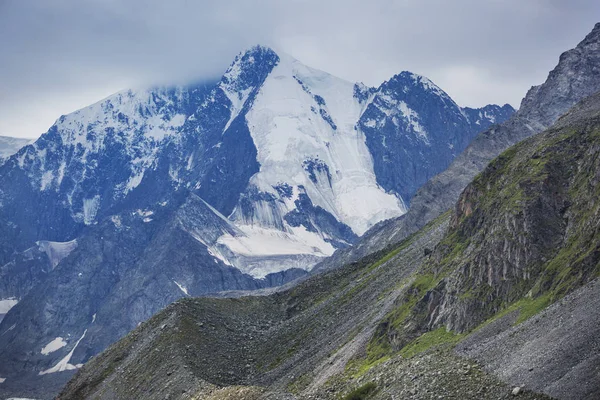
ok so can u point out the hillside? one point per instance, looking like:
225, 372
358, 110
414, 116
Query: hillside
523, 236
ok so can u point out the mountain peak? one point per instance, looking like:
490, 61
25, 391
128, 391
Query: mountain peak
256, 55
543, 104
595, 31
410, 79
249, 67
259, 48
590, 42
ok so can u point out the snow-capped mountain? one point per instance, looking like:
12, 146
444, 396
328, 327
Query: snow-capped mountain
242, 183
414, 130
300, 161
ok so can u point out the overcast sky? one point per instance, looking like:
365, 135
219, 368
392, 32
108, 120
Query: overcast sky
60, 55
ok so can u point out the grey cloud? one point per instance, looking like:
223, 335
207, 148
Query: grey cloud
59, 55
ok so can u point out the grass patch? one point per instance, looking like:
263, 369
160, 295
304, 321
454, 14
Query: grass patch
299, 384
527, 308
378, 351
358, 367
361, 393
428, 340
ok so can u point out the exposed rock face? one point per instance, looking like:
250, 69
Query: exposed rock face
528, 224
576, 76
389, 124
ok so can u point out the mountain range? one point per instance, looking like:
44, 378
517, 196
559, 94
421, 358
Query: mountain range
243, 183
397, 243
574, 78
497, 297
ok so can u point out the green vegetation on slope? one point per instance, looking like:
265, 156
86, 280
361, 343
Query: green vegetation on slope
524, 234
362, 393
428, 340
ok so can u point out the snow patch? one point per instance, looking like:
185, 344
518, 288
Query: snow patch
7, 304
286, 132
61, 174
133, 182
182, 288
143, 213
90, 208
64, 364
264, 242
46, 180
56, 251
370, 123
158, 128
273, 250
56, 344
21, 159
116, 220
413, 120
490, 117
19, 398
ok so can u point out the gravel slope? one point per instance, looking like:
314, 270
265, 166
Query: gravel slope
556, 352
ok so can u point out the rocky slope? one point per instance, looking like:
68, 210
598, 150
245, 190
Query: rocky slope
523, 235
525, 354
116, 265
152, 195
576, 76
